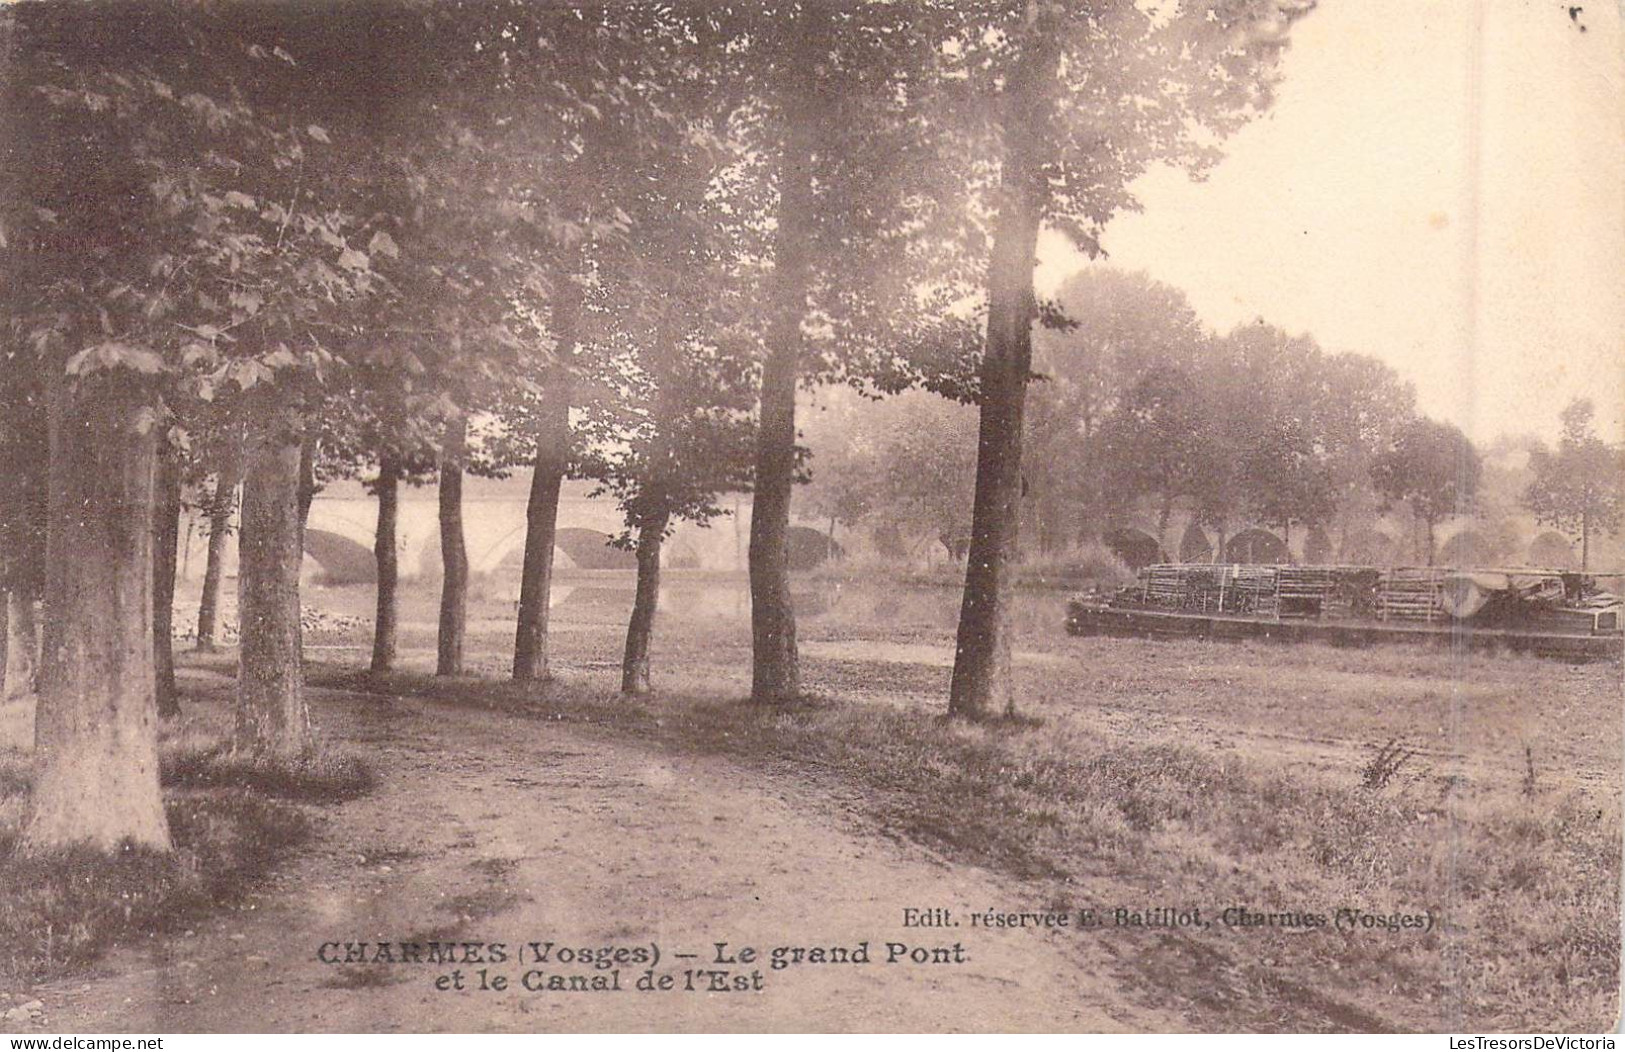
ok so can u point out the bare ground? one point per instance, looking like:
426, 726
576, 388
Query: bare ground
495, 828
498, 825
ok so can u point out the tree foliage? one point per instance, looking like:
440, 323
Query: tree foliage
1431, 468
903, 467
1580, 487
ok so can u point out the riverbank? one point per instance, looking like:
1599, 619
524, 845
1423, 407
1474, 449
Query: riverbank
1398, 808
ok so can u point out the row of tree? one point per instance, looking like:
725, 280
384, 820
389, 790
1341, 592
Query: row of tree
1578, 486
1138, 406
266, 244
1139, 412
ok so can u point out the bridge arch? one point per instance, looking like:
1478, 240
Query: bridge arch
339, 559
590, 549
1136, 548
1468, 547
1254, 545
574, 548
496, 554
347, 518
1195, 547
1367, 547
1554, 551
810, 548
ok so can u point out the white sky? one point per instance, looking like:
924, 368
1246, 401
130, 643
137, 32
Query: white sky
1348, 211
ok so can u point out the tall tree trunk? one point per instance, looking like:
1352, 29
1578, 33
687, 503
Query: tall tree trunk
23, 649
453, 552
309, 450
271, 713
386, 554
640, 628
19, 678
739, 506
541, 534
1585, 540
542, 510
96, 726
166, 533
982, 680
222, 506
5, 644
1053, 516
775, 668
1163, 515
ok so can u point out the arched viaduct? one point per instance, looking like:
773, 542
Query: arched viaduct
344, 516
343, 522
1389, 540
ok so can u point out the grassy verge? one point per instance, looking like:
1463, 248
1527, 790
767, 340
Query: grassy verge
1077, 569
1103, 823
230, 821
317, 779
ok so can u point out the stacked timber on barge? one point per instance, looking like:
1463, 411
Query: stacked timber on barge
1543, 611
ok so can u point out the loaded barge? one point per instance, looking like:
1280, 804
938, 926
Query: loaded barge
1548, 612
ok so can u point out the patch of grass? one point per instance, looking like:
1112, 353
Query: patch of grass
1165, 822
15, 780
1384, 764
229, 822
1079, 567
495, 868
61, 909
477, 905
362, 977
379, 855
320, 777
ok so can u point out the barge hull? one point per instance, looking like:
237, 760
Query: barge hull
1087, 619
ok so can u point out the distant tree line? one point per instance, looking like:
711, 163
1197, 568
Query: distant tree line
1138, 413
1579, 487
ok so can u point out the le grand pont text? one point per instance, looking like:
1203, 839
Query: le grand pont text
554, 967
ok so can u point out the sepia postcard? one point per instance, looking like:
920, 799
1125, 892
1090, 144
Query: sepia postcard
992, 516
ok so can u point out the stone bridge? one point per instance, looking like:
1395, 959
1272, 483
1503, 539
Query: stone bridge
493, 528
1389, 540
343, 522
343, 518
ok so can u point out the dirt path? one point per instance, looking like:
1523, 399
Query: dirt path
494, 828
